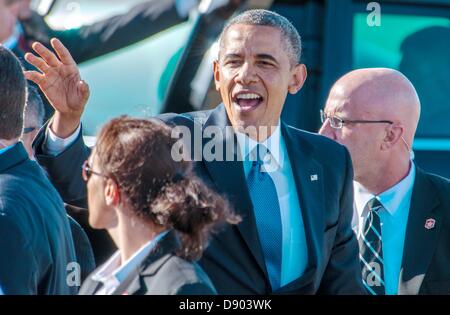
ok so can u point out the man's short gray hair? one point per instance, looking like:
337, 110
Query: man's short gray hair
262, 17
35, 107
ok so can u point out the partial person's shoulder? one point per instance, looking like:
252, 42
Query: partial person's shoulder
318, 142
442, 184
185, 119
183, 269
181, 274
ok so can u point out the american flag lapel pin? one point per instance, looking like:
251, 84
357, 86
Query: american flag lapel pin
314, 177
430, 223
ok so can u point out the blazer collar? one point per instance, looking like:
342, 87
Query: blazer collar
154, 261
420, 241
13, 157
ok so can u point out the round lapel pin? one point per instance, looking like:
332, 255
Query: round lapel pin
429, 223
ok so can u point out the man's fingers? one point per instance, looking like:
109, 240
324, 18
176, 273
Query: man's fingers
34, 76
49, 57
83, 87
63, 53
37, 62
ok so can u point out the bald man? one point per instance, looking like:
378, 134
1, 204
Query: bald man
402, 214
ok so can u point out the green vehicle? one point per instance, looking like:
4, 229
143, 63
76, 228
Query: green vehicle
172, 70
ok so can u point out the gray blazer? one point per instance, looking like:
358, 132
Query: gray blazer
161, 273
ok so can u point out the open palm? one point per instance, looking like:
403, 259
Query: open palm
60, 79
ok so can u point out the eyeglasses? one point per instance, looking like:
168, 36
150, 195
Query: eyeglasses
86, 171
337, 122
29, 130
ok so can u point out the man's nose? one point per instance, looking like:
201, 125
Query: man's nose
327, 131
247, 74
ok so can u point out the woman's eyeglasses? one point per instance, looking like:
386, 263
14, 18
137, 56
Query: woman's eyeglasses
86, 171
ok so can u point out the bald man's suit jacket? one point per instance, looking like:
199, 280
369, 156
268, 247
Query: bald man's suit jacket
234, 260
426, 254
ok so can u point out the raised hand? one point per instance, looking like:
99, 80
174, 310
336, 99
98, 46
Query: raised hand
61, 83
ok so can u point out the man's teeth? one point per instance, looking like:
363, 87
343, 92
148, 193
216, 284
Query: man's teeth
248, 96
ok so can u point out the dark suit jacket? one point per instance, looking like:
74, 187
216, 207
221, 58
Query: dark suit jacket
162, 273
426, 254
35, 239
234, 260
83, 249
105, 36
100, 241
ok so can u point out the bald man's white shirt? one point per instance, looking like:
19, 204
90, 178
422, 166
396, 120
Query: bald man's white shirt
397, 201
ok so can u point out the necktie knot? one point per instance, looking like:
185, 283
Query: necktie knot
260, 153
374, 205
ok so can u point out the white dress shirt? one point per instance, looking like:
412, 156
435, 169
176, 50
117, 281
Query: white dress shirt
114, 272
396, 202
54, 145
278, 166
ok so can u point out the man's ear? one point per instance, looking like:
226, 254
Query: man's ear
393, 135
112, 193
216, 75
299, 74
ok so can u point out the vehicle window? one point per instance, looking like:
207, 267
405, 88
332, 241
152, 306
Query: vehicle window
418, 46
130, 81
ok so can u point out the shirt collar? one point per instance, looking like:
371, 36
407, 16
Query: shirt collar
272, 143
114, 270
391, 198
12, 41
3, 150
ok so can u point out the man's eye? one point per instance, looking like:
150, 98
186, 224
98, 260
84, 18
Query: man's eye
265, 63
232, 62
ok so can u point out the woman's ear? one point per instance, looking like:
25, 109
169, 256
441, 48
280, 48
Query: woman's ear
299, 74
112, 193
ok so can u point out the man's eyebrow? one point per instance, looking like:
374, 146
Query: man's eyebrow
232, 56
267, 57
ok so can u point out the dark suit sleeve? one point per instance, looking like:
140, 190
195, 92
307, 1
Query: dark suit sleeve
100, 38
18, 268
343, 272
64, 170
195, 289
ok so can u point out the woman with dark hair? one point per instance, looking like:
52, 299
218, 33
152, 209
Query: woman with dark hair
158, 213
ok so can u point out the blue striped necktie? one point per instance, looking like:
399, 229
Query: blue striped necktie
267, 214
371, 250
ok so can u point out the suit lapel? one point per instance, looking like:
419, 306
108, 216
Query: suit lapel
420, 242
308, 176
228, 176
